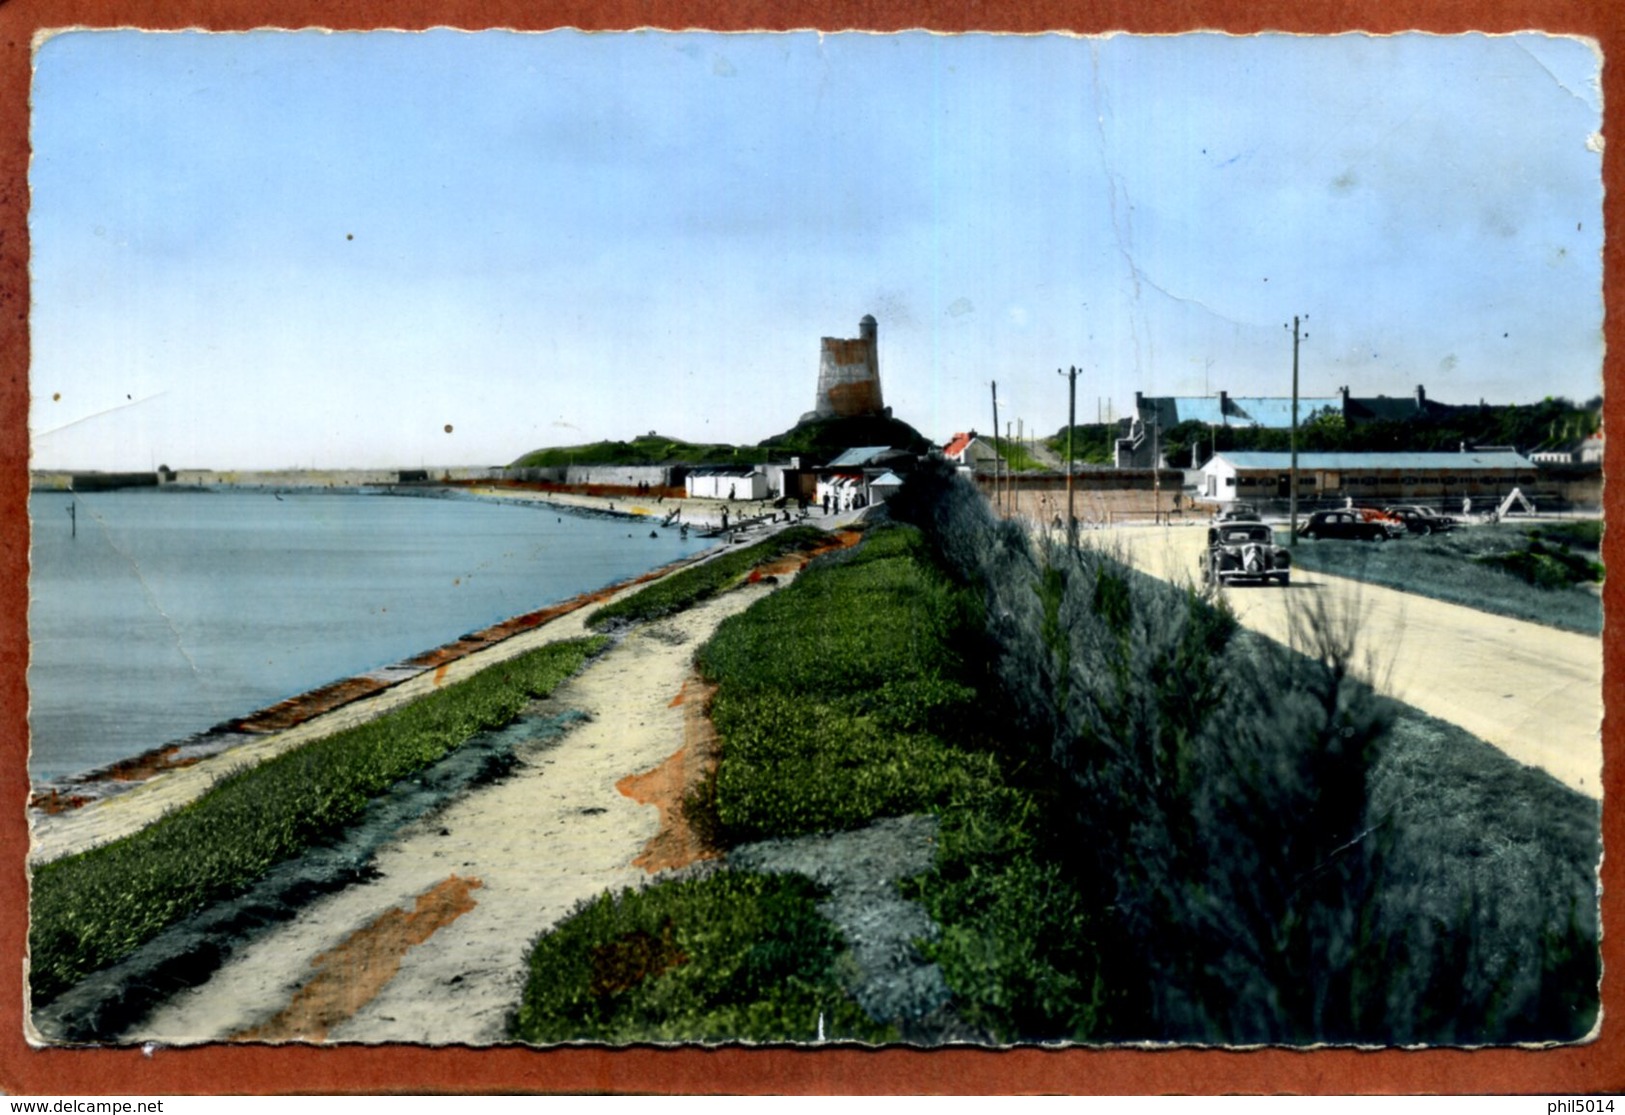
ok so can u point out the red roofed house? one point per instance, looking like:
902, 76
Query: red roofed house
970, 452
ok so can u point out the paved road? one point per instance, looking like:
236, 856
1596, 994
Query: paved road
1533, 691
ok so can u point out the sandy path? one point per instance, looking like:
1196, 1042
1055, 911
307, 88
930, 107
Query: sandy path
523, 852
1535, 692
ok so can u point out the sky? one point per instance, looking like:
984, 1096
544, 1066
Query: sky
380, 249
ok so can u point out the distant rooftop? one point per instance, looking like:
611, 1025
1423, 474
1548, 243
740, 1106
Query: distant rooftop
1233, 410
854, 458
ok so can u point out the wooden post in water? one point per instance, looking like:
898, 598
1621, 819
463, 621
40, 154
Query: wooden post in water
73, 516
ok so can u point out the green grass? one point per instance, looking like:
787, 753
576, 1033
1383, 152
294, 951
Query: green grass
835, 694
91, 909
1461, 568
688, 587
729, 957
857, 693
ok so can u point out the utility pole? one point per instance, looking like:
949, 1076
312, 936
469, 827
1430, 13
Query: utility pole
1009, 473
995, 443
1071, 375
1292, 480
1156, 466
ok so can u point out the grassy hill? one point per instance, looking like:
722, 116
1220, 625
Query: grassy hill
652, 449
817, 440
827, 437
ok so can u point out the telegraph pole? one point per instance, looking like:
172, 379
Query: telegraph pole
1009, 477
995, 443
1156, 465
1071, 375
1292, 481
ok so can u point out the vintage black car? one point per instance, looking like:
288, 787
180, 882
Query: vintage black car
1421, 520
1238, 513
1344, 524
1241, 551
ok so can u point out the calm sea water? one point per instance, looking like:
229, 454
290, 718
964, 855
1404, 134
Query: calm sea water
172, 611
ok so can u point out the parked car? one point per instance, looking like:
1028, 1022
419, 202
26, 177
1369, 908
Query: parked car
1345, 524
1238, 513
1422, 520
1242, 551
1393, 522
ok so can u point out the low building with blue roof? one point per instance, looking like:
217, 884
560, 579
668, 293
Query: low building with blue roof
1443, 479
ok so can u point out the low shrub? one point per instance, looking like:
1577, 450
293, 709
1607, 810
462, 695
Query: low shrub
793, 765
1544, 566
1020, 944
838, 696
729, 957
687, 587
1583, 534
91, 909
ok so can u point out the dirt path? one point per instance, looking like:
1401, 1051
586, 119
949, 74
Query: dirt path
1535, 692
461, 895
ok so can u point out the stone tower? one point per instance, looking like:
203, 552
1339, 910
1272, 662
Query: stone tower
849, 375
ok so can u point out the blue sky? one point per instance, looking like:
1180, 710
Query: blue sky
318, 250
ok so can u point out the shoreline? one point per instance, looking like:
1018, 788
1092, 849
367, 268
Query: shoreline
77, 789
59, 795
73, 814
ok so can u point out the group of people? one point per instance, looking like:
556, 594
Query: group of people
848, 501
